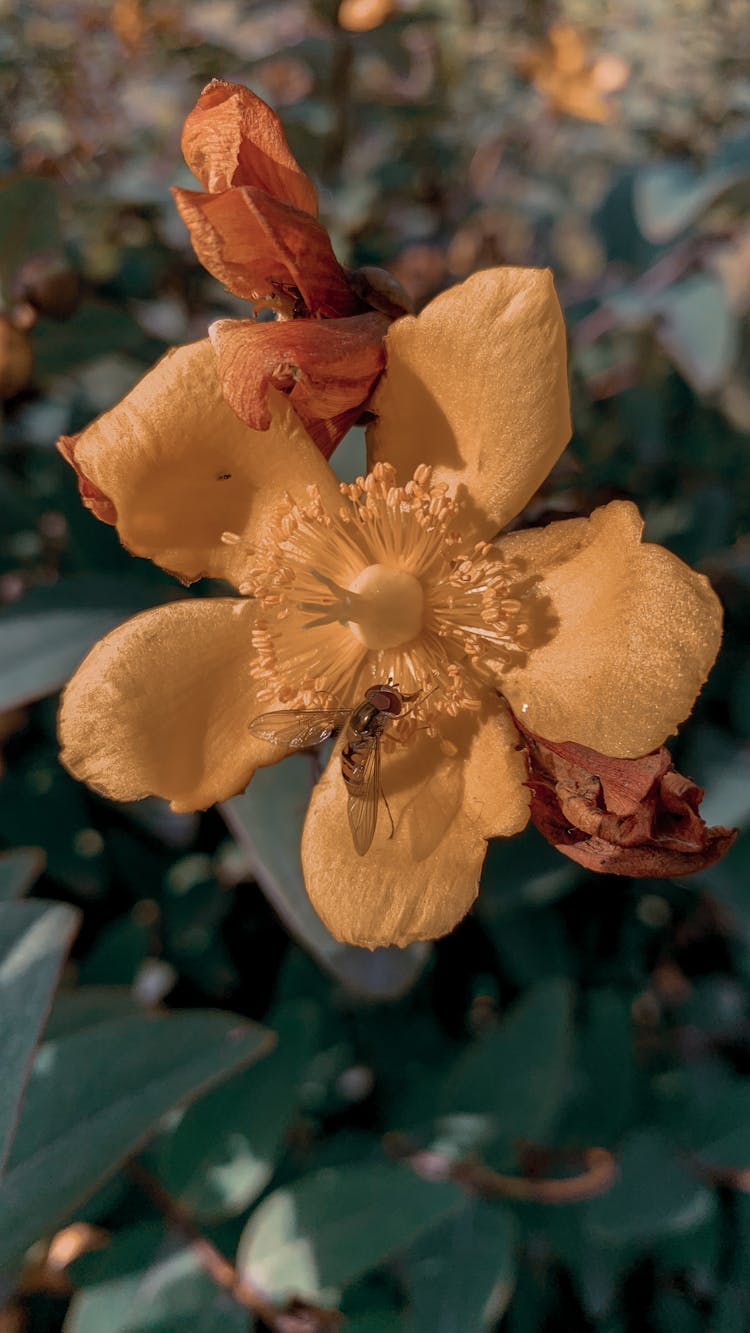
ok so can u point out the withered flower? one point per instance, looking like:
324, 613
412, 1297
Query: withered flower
636, 817
254, 227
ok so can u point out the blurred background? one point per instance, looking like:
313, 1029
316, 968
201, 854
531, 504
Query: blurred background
570, 1012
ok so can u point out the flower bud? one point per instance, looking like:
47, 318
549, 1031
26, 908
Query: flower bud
49, 284
381, 290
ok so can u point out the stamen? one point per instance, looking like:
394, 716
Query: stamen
390, 585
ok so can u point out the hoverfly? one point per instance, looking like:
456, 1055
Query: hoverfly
360, 754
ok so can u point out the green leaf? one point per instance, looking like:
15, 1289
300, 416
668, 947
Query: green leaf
95, 1095
654, 1197
18, 870
715, 1121
91, 332
373, 1306
524, 871
29, 224
729, 1314
317, 1235
224, 1150
47, 633
698, 330
34, 941
675, 1313
509, 1084
533, 945
606, 1075
110, 1279
146, 1282
267, 820
461, 1274
74, 1010
119, 951
669, 196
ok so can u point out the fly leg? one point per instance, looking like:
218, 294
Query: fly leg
388, 811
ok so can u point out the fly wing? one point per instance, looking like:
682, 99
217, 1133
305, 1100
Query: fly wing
364, 794
296, 728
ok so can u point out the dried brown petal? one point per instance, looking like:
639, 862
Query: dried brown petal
636, 817
231, 137
327, 368
266, 251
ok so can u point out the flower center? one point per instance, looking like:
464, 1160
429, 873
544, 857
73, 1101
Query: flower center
392, 586
388, 607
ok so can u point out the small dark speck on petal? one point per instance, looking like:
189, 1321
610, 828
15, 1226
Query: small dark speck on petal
223, 476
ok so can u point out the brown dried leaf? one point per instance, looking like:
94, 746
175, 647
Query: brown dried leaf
636, 817
232, 138
328, 369
266, 251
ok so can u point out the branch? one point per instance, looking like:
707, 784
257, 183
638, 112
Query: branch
296, 1317
599, 1172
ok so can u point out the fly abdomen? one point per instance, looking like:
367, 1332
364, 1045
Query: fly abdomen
353, 757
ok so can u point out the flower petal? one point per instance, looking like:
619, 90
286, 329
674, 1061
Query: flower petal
180, 469
420, 882
326, 368
263, 249
637, 632
161, 707
92, 497
231, 137
477, 386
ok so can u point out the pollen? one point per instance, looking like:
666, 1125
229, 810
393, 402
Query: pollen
392, 586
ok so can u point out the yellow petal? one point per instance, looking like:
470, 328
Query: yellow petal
477, 386
636, 637
180, 468
162, 705
417, 884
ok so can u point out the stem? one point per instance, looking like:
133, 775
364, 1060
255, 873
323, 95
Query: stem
599, 1172
297, 1317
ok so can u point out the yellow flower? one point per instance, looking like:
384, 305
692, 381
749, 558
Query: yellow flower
585, 633
572, 82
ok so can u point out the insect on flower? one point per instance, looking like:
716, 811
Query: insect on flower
297, 728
